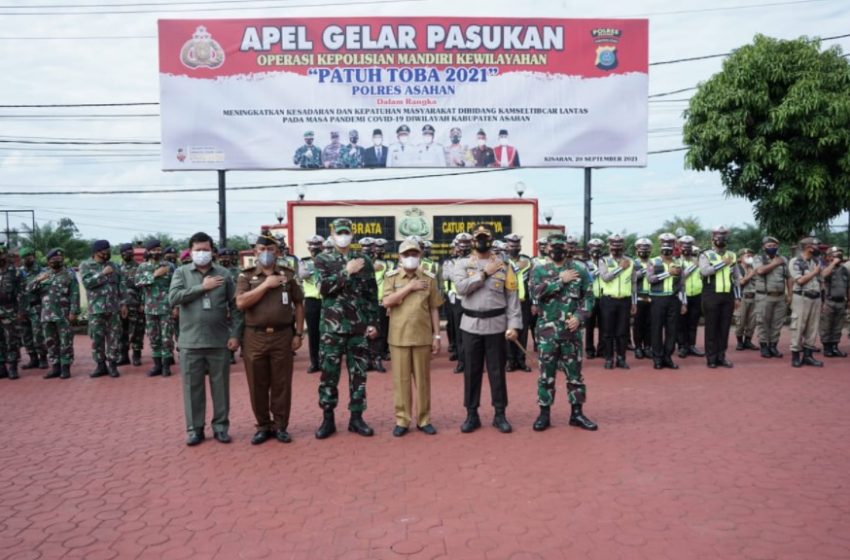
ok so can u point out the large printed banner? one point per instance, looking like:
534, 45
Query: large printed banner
403, 92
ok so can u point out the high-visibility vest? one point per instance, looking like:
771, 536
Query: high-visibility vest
693, 282
520, 276
311, 287
643, 288
619, 287
665, 287
721, 280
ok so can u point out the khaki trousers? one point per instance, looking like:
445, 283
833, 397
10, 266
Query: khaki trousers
770, 317
411, 365
831, 322
805, 319
268, 367
745, 318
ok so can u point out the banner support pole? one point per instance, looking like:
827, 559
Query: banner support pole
587, 199
222, 209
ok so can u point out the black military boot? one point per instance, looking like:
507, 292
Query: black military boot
722, 361
639, 354
137, 357
774, 351
370, 364
590, 353
748, 343
65, 370
328, 425
523, 366
169, 361
459, 367
765, 350
657, 363
53, 373
125, 358
357, 425
609, 363
99, 371
740, 345
694, 351
112, 368
577, 418
4, 373
13, 370
379, 366
156, 369
795, 359
621, 362
809, 360
836, 353
511, 366
42, 361
166, 366
542, 421
500, 422
827, 350
32, 364
472, 422
683, 351
669, 363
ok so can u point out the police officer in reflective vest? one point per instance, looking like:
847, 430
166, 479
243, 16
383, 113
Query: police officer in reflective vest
522, 265
666, 290
689, 322
618, 300
720, 292
464, 247
312, 299
641, 327
594, 253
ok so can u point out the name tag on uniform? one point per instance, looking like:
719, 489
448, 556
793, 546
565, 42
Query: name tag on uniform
284, 298
207, 303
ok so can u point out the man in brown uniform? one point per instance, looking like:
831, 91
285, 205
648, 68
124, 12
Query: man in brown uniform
273, 303
773, 296
413, 298
805, 303
836, 285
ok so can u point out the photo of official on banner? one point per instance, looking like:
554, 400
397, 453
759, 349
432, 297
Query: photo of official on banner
322, 93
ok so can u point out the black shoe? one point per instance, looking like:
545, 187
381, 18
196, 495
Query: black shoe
42, 361
262, 436
827, 350
543, 420
657, 364
577, 418
669, 363
13, 370
740, 345
808, 359
621, 362
32, 364
452, 357
590, 353
609, 364
639, 354
630, 346
399, 431
748, 344
156, 369
125, 358
428, 429
379, 366
99, 371
328, 425
764, 348
222, 437
370, 365
137, 357
836, 353
169, 361
774, 351
472, 422
683, 352
166, 367
313, 369
795, 359
54, 372
459, 368
511, 366
357, 425
724, 362
112, 368
712, 365
386, 357
817, 349
282, 436
501, 423
524, 367
65, 371
694, 351
232, 358
195, 438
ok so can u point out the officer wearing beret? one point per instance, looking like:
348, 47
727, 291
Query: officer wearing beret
11, 311
836, 287
107, 306
376, 154
133, 326
403, 153
308, 156
32, 335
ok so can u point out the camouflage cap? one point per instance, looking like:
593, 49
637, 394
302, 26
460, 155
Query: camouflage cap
341, 224
769, 239
315, 239
557, 238
482, 229
309, 134
409, 245
55, 252
26, 251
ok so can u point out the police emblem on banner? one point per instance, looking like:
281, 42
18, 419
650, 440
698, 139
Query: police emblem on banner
606, 51
202, 51
414, 223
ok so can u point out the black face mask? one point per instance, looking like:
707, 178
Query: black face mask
105, 256
596, 253
315, 251
464, 251
455, 139
483, 245
771, 251
687, 251
155, 256
667, 250
128, 257
514, 252
815, 252
720, 242
55, 265
643, 253
616, 252
558, 253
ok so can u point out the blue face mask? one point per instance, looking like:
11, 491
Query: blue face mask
771, 251
266, 259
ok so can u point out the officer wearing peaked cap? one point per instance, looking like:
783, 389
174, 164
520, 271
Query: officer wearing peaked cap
402, 153
618, 301
312, 299
431, 153
641, 329
594, 253
836, 280
521, 264
721, 291
773, 296
806, 281
689, 322
668, 301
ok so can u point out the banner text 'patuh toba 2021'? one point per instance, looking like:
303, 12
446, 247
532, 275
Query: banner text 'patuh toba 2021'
403, 92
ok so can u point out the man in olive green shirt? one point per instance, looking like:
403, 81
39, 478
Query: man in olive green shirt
206, 295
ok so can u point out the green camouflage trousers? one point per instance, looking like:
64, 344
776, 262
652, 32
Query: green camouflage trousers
565, 355
133, 330
356, 350
161, 335
59, 339
32, 336
10, 336
105, 333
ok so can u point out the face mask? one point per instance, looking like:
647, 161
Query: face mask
643, 253
410, 263
354, 139
771, 251
309, 141
616, 252
687, 251
595, 253
342, 240
514, 252
266, 259
482, 142
483, 245
815, 252
128, 257
201, 258
558, 253
719, 242
428, 138
155, 256
315, 251
455, 139
55, 265
105, 256
503, 141
464, 251
667, 250
403, 139
749, 261
377, 140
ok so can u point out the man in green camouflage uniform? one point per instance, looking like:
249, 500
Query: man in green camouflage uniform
154, 278
32, 336
104, 287
234, 268
11, 313
133, 325
59, 293
352, 155
563, 291
308, 156
349, 317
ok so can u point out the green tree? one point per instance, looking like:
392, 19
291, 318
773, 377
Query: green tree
775, 122
63, 234
166, 239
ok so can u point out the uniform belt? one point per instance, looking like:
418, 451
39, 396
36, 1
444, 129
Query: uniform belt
810, 295
749, 295
616, 297
270, 330
489, 313
838, 299
644, 298
772, 294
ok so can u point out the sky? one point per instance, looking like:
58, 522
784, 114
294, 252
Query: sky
54, 52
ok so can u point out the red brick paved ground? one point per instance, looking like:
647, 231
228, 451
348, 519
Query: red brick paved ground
745, 463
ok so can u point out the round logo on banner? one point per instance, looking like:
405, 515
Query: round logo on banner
202, 51
606, 57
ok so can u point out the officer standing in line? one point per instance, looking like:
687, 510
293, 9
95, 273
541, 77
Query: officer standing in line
522, 267
805, 302
664, 277
618, 301
312, 298
59, 292
308, 156
382, 267
464, 248
235, 314
154, 278
491, 314
104, 287
689, 322
449, 294
133, 326
332, 152
539, 260
562, 288
402, 153
641, 331
33, 337
773, 296
11, 311
721, 293
594, 253
367, 246
745, 324
349, 320
836, 280
428, 263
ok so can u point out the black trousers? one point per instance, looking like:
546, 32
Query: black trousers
313, 314
717, 310
516, 355
614, 315
457, 314
450, 326
384, 329
664, 313
590, 325
688, 323
478, 349
641, 326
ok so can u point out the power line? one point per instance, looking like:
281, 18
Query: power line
134, 5
724, 8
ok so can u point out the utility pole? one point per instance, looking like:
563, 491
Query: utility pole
222, 209
587, 199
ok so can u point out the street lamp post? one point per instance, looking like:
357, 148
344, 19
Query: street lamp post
548, 214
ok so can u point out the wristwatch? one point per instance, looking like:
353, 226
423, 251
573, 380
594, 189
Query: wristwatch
437, 337
299, 334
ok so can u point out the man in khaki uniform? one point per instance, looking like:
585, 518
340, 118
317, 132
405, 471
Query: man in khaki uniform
745, 316
773, 296
412, 296
836, 280
805, 303
273, 303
